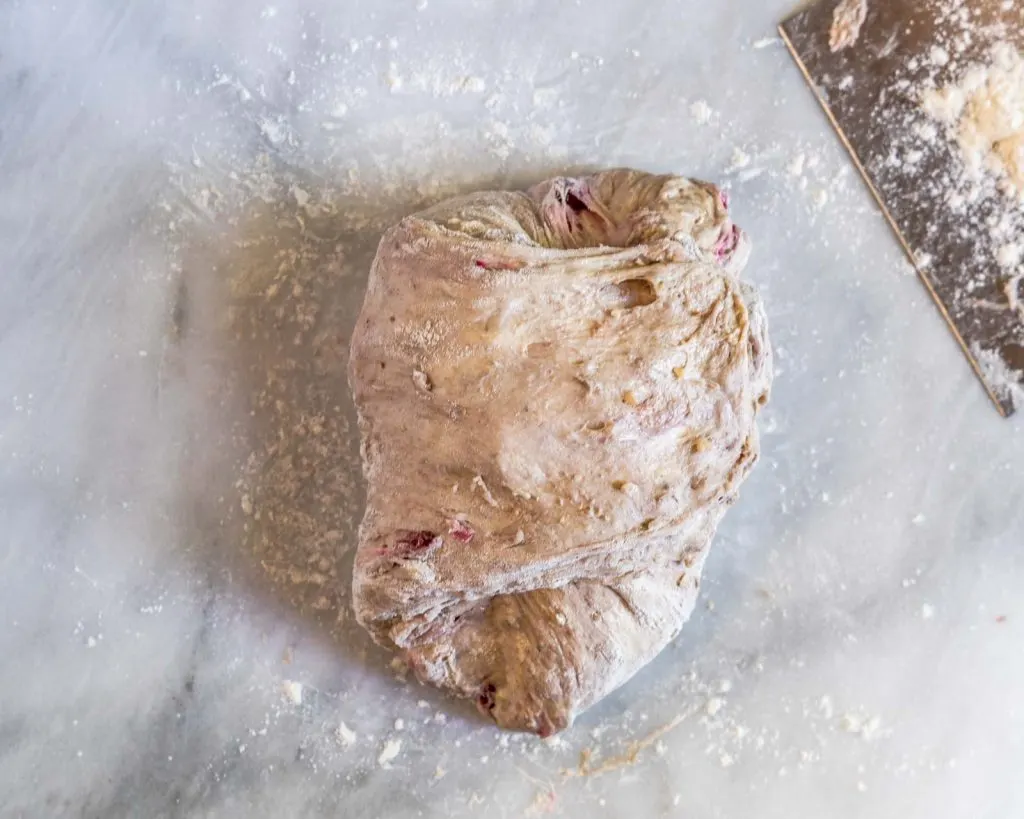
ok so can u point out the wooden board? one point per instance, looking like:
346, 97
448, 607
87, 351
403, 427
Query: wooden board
872, 93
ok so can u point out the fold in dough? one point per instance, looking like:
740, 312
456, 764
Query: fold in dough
557, 394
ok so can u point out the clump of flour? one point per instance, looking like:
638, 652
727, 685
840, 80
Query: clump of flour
984, 113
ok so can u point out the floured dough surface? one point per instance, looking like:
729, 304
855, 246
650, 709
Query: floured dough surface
557, 393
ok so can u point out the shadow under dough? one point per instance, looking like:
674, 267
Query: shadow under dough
270, 488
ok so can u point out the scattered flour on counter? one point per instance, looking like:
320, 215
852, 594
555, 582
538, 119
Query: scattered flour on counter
276, 130
277, 264
748, 174
588, 768
392, 748
292, 691
545, 97
868, 728
473, 85
445, 80
871, 729
393, 78
346, 736
740, 159
701, 112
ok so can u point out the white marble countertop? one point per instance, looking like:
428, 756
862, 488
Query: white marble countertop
191, 194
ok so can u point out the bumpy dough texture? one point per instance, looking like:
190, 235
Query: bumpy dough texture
557, 393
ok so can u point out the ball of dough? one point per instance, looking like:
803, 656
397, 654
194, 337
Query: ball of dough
557, 394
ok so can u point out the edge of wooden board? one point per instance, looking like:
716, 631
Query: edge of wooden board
892, 222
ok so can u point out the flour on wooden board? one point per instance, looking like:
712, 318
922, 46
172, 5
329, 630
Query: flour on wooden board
392, 748
984, 113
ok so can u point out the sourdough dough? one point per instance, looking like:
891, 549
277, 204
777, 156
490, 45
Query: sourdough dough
557, 393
